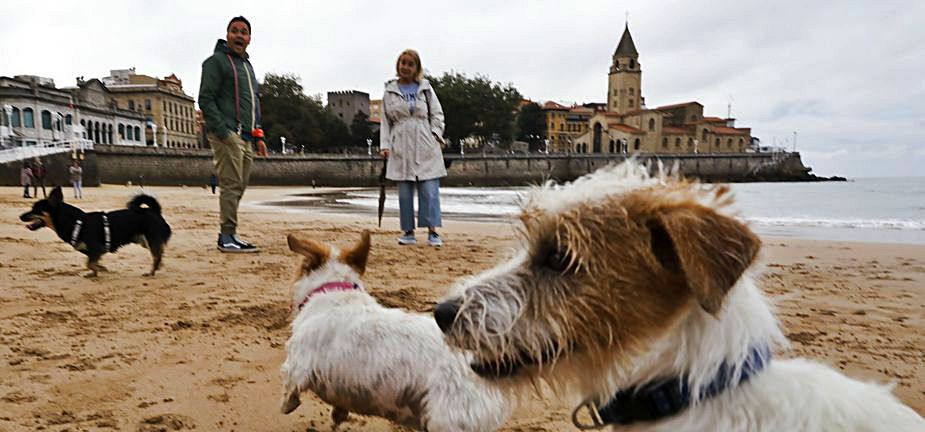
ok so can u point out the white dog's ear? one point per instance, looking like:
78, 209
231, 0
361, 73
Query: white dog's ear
711, 251
315, 253
356, 256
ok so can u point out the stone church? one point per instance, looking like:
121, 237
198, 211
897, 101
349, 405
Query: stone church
626, 124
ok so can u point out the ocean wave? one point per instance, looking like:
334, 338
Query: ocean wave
892, 224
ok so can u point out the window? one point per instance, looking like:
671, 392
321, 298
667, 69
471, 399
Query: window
128, 134
121, 132
28, 118
704, 134
632, 64
68, 119
131, 105
630, 103
729, 143
651, 124
665, 142
631, 91
690, 142
16, 120
148, 104
717, 143
46, 120
677, 142
137, 133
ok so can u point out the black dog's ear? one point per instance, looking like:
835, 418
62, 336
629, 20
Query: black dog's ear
56, 197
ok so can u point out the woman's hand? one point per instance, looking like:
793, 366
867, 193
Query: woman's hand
385, 153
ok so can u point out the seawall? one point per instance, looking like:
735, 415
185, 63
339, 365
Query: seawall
163, 166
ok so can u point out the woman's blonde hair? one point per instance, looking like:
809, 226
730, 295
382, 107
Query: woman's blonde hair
417, 59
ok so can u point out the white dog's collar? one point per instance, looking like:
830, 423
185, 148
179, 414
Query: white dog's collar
329, 287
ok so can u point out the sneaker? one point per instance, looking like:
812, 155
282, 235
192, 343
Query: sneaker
434, 240
407, 238
227, 243
244, 243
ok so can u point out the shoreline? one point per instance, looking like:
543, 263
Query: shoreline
201, 343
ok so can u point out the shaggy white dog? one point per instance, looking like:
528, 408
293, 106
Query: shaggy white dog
361, 357
639, 293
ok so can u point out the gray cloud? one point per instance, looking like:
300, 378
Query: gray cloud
845, 75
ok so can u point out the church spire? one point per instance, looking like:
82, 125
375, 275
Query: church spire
626, 47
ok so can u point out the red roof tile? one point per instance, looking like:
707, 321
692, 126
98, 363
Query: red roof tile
720, 130
624, 128
674, 131
550, 105
679, 105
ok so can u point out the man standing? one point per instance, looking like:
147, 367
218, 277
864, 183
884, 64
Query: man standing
230, 102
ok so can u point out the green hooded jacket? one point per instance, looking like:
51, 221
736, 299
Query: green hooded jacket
217, 92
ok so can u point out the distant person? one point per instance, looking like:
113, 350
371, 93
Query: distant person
213, 182
77, 179
39, 172
230, 102
25, 179
411, 138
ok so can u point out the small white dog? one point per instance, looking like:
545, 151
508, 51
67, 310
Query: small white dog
639, 293
364, 358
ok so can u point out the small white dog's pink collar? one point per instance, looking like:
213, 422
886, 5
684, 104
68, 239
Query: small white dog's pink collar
329, 287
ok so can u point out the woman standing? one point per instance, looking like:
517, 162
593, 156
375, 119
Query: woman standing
25, 179
410, 138
77, 173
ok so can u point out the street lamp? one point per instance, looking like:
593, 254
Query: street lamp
546, 145
154, 133
369, 147
8, 130
282, 145
58, 119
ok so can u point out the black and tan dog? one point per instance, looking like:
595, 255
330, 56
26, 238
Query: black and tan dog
97, 233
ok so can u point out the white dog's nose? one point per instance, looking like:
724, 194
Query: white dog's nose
445, 314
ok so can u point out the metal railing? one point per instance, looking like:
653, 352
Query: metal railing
21, 152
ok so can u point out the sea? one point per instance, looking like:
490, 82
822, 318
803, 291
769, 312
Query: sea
880, 210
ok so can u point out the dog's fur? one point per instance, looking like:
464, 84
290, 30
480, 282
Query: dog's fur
625, 279
141, 222
361, 357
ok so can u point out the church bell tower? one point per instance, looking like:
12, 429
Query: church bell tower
624, 84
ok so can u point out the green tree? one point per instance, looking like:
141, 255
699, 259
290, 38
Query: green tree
360, 130
302, 119
476, 107
531, 125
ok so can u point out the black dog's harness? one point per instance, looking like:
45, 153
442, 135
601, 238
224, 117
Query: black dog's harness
656, 401
107, 237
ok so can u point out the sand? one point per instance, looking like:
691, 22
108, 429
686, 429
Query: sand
200, 345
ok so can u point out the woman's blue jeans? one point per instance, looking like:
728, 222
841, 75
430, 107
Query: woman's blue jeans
428, 203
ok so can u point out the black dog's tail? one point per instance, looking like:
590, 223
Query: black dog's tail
144, 200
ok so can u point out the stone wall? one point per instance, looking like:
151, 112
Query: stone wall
58, 174
163, 166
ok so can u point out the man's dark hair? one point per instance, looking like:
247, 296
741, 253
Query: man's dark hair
241, 19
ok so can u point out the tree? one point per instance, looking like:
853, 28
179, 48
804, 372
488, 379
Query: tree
360, 130
531, 125
477, 108
302, 119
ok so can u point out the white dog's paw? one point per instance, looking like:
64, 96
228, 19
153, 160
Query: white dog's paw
291, 402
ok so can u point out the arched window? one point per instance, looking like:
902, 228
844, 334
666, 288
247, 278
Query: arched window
126, 132
632, 64
68, 119
109, 134
636, 144
665, 142
46, 120
704, 135
28, 118
16, 121
121, 131
677, 142
651, 124
58, 121
97, 136
717, 143
137, 133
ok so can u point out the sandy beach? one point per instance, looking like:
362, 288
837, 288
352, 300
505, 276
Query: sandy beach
199, 346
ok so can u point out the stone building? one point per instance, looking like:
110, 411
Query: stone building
170, 113
626, 124
346, 104
38, 112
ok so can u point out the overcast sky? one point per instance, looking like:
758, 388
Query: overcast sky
848, 76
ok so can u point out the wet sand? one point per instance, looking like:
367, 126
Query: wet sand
200, 345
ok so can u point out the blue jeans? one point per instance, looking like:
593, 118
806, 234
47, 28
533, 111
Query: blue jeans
428, 203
